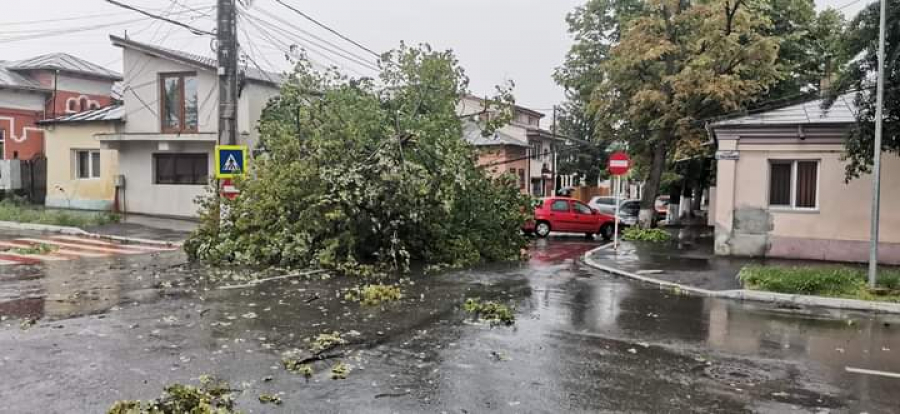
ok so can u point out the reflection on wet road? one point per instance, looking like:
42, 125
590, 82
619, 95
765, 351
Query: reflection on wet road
583, 342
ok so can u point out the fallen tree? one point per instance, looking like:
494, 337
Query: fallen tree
366, 176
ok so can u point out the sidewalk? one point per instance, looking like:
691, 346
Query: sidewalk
145, 227
688, 260
687, 265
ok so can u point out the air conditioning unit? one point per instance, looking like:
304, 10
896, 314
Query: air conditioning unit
10, 175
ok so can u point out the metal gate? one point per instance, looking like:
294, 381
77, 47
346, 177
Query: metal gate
34, 179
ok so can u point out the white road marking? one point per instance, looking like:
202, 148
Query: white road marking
83, 246
873, 372
102, 243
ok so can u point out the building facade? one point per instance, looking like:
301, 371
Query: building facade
80, 174
521, 148
781, 188
46, 87
167, 143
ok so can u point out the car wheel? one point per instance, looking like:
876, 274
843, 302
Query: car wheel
606, 231
542, 229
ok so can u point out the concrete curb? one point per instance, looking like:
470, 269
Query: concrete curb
749, 295
75, 231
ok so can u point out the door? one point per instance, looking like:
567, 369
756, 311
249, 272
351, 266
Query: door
585, 221
561, 216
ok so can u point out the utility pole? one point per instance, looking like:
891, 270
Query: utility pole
226, 37
876, 172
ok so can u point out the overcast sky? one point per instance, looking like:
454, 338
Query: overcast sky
495, 40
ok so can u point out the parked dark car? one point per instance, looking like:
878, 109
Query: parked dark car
567, 215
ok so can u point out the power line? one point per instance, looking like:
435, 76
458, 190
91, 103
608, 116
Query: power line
312, 35
288, 48
190, 28
324, 26
308, 43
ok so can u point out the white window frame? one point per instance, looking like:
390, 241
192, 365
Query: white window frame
793, 197
90, 165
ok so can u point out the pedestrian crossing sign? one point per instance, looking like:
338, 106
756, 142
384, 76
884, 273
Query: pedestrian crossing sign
231, 161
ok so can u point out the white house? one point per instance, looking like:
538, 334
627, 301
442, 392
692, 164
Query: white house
167, 142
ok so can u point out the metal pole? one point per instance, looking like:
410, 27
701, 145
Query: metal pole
227, 71
618, 184
876, 172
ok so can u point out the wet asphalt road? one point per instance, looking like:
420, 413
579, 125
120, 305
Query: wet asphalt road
123, 328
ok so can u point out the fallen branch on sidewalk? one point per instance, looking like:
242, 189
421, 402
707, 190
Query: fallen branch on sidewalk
270, 279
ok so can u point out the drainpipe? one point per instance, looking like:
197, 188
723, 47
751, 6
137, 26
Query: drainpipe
55, 90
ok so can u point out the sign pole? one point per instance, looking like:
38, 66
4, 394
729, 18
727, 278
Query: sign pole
616, 231
876, 171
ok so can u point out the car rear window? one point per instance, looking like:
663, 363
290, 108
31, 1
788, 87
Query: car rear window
632, 207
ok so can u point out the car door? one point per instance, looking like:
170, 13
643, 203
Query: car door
560, 215
585, 221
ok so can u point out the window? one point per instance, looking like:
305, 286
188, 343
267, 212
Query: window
72, 105
535, 150
2, 144
181, 169
582, 209
178, 102
87, 164
794, 184
522, 182
560, 206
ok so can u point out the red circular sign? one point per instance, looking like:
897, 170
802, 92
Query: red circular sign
229, 191
619, 163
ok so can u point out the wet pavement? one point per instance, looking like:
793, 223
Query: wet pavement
145, 227
124, 327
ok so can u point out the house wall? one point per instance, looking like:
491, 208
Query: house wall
142, 86
64, 189
838, 230
22, 138
141, 93
505, 154
145, 197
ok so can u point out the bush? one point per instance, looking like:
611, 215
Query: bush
835, 281
365, 178
646, 235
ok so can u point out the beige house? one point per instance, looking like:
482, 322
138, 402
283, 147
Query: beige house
81, 175
781, 190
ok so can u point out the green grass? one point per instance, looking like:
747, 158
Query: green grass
831, 281
21, 213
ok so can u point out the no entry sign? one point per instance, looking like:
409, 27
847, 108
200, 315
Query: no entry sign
619, 163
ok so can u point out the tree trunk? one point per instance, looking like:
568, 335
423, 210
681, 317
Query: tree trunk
651, 188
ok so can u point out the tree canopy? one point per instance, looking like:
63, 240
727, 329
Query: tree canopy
652, 72
366, 176
858, 79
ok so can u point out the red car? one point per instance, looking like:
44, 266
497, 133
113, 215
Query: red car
569, 215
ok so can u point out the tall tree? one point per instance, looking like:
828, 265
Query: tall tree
677, 63
809, 50
857, 78
595, 28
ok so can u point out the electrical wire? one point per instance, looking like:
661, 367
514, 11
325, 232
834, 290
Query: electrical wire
190, 28
289, 48
310, 44
312, 35
326, 27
